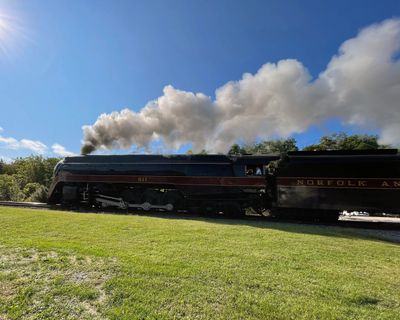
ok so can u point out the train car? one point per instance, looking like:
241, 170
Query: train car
210, 183
321, 184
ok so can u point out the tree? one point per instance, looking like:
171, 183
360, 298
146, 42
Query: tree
236, 149
9, 189
342, 141
266, 147
32, 169
26, 178
39, 195
190, 152
278, 146
30, 188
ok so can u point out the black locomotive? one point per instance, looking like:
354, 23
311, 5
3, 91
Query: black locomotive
315, 185
208, 183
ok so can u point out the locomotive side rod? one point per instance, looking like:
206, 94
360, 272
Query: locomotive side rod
107, 201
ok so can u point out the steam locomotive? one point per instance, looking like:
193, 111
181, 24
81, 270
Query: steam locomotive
303, 185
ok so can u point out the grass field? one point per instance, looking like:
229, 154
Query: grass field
62, 265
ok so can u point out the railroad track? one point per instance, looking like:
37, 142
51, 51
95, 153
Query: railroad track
25, 204
363, 222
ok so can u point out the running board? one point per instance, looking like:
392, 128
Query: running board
107, 201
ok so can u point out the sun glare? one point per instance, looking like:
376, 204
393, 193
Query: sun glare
3, 26
11, 32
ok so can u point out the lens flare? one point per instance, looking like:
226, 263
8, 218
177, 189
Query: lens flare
5, 34
11, 34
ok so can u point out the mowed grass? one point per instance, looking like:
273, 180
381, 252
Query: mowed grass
63, 265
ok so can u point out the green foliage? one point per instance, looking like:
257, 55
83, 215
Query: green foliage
336, 141
266, 147
2, 166
33, 169
30, 188
190, 152
26, 178
5, 167
236, 149
9, 189
277, 146
39, 195
342, 141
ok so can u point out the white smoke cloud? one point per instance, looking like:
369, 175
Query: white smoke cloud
61, 150
361, 86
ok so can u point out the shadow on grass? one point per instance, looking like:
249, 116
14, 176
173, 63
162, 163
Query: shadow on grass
389, 232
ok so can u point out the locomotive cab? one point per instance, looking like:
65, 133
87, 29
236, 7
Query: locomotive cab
253, 165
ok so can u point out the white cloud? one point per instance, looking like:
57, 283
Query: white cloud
35, 146
32, 145
60, 150
360, 86
12, 143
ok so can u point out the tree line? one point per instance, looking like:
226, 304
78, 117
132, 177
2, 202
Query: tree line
335, 141
28, 179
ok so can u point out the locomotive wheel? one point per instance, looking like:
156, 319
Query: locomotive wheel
293, 214
306, 215
208, 208
175, 198
152, 196
328, 216
132, 195
232, 209
261, 211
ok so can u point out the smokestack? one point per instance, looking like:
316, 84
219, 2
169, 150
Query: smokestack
87, 148
361, 86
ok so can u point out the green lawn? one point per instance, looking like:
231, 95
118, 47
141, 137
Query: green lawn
62, 265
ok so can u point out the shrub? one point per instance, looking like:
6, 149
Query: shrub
39, 195
30, 188
9, 189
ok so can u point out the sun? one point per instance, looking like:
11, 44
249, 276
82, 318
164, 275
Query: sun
4, 26
12, 34
6, 32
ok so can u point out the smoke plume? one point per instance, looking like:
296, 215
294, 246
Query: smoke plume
360, 85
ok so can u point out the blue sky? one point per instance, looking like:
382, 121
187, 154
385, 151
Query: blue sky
66, 62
